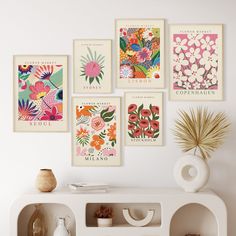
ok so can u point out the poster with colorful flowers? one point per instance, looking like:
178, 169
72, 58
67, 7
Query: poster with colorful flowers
92, 66
40, 93
140, 53
96, 131
196, 71
143, 119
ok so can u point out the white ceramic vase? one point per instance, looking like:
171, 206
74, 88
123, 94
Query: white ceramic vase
191, 173
61, 229
104, 222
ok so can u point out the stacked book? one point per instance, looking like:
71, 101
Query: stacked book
88, 188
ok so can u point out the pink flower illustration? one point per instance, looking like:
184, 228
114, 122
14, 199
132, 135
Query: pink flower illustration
51, 115
133, 117
145, 112
38, 90
97, 123
143, 123
144, 55
131, 127
154, 124
126, 71
107, 152
92, 69
149, 133
132, 108
137, 133
155, 109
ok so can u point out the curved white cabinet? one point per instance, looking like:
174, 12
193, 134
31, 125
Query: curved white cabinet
175, 212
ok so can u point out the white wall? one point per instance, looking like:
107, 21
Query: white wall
48, 27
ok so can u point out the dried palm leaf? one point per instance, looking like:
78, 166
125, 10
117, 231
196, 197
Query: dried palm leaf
200, 130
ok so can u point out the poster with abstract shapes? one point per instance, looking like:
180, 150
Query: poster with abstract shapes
95, 131
140, 53
92, 66
143, 119
40, 93
196, 71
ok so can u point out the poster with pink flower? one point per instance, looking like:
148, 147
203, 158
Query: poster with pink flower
140, 53
92, 66
96, 131
40, 93
196, 71
143, 119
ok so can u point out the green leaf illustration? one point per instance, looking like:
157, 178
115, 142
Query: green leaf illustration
107, 116
156, 135
139, 109
131, 135
140, 68
91, 79
123, 44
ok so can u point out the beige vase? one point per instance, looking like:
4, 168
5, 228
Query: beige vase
46, 181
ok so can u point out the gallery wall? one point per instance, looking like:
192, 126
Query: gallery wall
49, 27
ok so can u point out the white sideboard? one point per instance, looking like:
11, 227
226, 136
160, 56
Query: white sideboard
176, 212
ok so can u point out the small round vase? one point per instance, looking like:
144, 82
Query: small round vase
104, 222
46, 181
191, 173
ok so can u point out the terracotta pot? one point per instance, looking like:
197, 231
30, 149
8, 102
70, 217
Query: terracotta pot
46, 181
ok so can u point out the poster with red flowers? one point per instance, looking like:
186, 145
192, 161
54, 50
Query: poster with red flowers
95, 131
196, 62
92, 66
40, 93
143, 119
140, 53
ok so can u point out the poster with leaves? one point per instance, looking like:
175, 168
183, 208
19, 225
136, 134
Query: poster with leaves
143, 119
40, 93
196, 71
140, 53
96, 131
92, 66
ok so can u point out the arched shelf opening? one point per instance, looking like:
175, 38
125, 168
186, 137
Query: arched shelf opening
51, 211
193, 218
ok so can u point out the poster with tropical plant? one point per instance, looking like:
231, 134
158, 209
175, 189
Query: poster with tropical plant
140, 53
92, 66
96, 131
40, 93
196, 62
143, 118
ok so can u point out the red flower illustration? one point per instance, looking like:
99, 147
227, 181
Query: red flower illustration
149, 133
51, 115
137, 133
131, 127
143, 123
38, 90
133, 117
132, 108
155, 109
145, 112
154, 124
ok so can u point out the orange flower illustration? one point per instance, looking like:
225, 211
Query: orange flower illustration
82, 133
112, 132
97, 142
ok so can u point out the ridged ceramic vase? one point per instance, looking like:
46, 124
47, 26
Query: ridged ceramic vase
46, 181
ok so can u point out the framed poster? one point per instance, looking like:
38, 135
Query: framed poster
196, 62
140, 53
40, 93
143, 119
95, 131
92, 66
